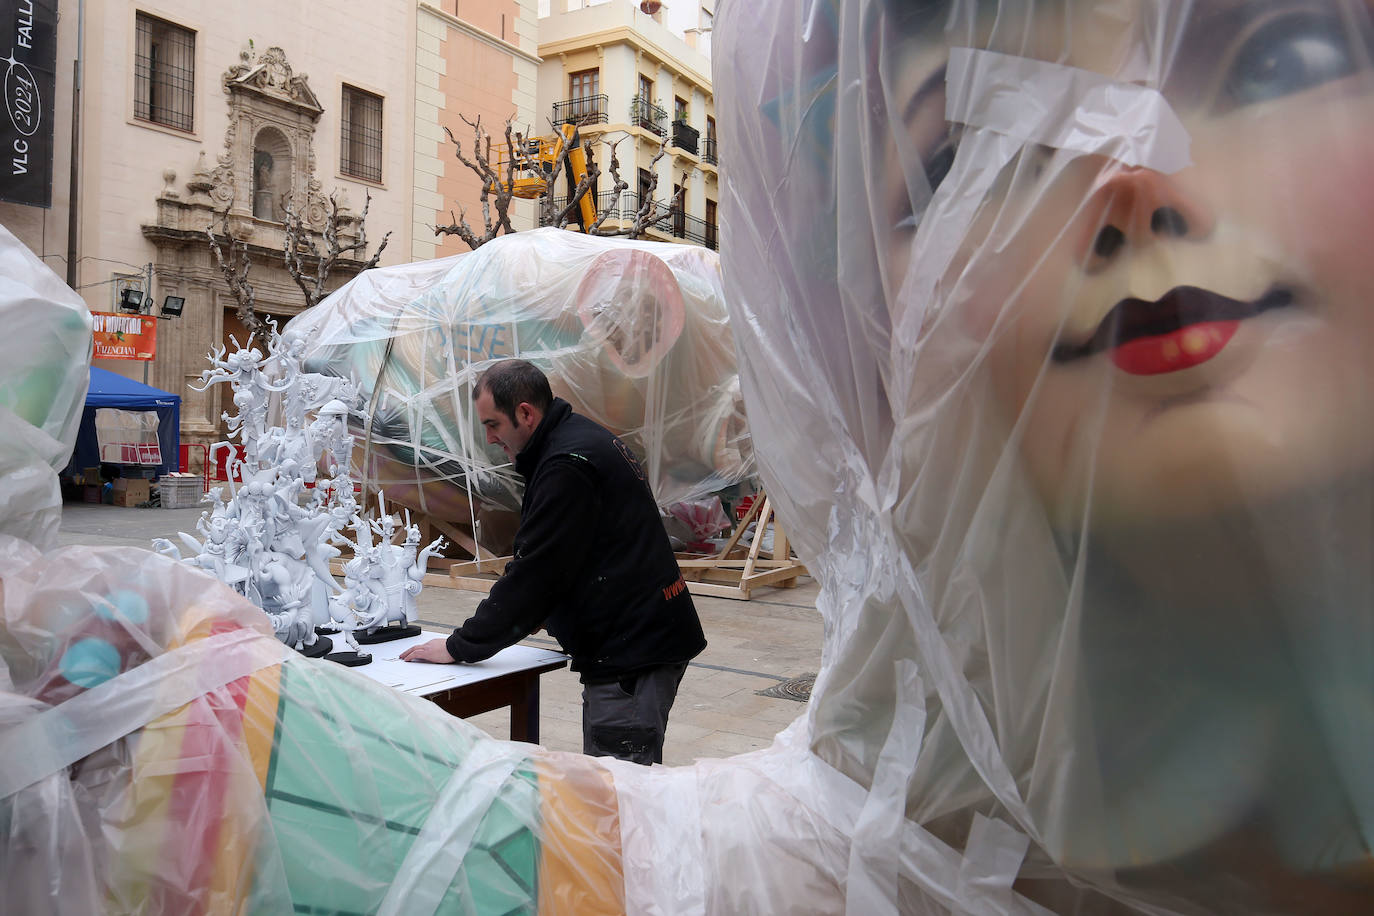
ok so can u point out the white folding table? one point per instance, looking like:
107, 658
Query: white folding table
509, 678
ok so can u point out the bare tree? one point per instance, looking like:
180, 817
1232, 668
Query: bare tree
235, 269
497, 189
651, 213
549, 213
525, 155
299, 246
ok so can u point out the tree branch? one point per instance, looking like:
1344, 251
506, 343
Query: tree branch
496, 192
617, 187
235, 269
650, 213
299, 242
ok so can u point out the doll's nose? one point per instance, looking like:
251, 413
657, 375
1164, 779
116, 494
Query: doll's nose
1131, 206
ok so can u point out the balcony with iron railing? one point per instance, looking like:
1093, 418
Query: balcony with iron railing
623, 207
694, 229
708, 151
590, 109
685, 137
645, 114
620, 207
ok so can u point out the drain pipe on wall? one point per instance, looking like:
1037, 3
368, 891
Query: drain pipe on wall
73, 223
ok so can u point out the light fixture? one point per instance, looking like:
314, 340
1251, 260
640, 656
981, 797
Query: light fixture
131, 300
171, 306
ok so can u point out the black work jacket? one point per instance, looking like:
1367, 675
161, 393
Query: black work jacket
592, 563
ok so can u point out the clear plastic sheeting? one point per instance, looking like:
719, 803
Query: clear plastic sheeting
164, 753
1055, 330
45, 351
633, 334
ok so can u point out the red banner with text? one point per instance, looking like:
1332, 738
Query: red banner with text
124, 336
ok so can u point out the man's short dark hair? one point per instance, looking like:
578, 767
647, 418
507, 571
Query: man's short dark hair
513, 382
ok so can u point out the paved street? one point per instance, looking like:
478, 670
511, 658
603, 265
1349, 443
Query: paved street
753, 645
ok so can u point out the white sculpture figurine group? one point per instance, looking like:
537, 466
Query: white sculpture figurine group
382, 580
272, 540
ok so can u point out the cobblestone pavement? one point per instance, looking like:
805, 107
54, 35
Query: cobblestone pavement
752, 646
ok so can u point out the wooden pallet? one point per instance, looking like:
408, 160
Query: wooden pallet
734, 572
477, 575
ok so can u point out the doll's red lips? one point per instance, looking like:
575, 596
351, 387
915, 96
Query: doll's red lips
1181, 307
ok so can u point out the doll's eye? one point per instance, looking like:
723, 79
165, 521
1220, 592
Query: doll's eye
939, 162
1287, 55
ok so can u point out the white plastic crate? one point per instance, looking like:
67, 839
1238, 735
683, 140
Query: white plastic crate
180, 491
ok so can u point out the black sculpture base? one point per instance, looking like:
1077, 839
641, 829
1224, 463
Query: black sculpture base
322, 647
349, 659
386, 634
326, 631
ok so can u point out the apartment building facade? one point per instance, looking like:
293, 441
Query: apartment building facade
617, 71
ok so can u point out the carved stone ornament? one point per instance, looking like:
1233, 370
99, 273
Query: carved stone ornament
266, 99
271, 75
222, 181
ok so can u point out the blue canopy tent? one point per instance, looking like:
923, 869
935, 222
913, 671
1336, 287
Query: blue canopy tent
109, 389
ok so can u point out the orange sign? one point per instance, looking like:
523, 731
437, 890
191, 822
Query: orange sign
124, 336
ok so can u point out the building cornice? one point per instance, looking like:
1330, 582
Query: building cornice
481, 35
626, 35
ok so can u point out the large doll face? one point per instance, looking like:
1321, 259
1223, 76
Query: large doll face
1174, 344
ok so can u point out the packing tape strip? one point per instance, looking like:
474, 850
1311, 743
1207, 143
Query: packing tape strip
60, 736
1065, 108
437, 854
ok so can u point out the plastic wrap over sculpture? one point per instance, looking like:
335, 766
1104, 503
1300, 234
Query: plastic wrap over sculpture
1083, 447
632, 334
165, 754
46, 351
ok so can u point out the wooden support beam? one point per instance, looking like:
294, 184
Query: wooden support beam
728, 576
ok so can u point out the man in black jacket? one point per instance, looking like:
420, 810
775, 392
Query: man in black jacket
592, 565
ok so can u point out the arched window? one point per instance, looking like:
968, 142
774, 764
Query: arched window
271, 174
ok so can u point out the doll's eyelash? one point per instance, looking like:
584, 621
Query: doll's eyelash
1209, 81
941, 160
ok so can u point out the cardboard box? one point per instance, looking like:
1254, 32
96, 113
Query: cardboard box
131, 491
91, 477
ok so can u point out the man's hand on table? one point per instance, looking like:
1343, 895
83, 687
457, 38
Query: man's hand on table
435, 651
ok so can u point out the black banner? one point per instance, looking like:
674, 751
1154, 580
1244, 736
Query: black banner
28, 57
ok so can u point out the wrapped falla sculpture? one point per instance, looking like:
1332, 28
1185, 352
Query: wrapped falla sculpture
1054, 335
1089, 413
633, 334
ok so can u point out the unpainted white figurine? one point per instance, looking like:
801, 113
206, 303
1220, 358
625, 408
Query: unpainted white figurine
275, 536
382, 580
272, 540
